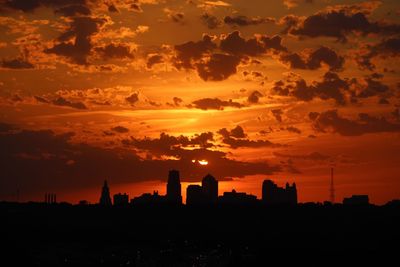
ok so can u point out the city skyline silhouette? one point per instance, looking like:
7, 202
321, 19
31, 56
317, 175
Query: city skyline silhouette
207, 194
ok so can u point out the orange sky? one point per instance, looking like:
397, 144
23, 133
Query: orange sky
125, 90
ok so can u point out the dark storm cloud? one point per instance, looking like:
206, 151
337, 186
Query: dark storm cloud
246, 21
177, 101
236, 132
254, 97
41, 99
115, 51
389, 47
241, 143
383, 101
212, 22
60, 101
218, 67
73, 10
80, 33
132, 99
120, 129
293, 129
170, 145
338, 24
136, 7
277, 113
153, 60
17, 63
31, 5
40, 161
112, 8
236, 138
331, 121
214, 103
189, 52
314, 59
373, 88
331, 87
234, 44
177, 17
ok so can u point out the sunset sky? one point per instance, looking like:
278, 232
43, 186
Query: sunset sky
126, 90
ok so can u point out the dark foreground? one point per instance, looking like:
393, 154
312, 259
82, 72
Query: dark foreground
62, 235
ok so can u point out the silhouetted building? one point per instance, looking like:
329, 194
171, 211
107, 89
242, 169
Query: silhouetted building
83, 203
207, 193
273, 194
174, 188
148, 199
210, 188
194, 195
236, 198
356, 200
393, 203
105, 199
121, 199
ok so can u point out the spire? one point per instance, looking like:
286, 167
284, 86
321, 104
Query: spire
105, 199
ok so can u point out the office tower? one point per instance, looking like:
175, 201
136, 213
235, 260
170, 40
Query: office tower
174, 188
210, 188
194, 195
105, 199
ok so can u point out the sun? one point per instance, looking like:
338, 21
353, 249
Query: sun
202, 162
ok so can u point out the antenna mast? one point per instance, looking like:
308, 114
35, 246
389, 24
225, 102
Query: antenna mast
332, 189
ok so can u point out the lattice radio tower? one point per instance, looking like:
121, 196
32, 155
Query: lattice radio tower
332, 189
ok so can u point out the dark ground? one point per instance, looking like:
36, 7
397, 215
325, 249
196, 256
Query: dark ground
63, 235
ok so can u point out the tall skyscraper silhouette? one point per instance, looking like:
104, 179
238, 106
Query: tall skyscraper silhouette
105, 199
210, 188
194, 195
207, 193
174, 188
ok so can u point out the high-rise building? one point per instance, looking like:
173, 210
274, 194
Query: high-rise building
210, 188
174, 188
194, 195
273, 194
105, 199
291, 193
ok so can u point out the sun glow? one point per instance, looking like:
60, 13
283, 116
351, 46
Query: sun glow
203, 162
